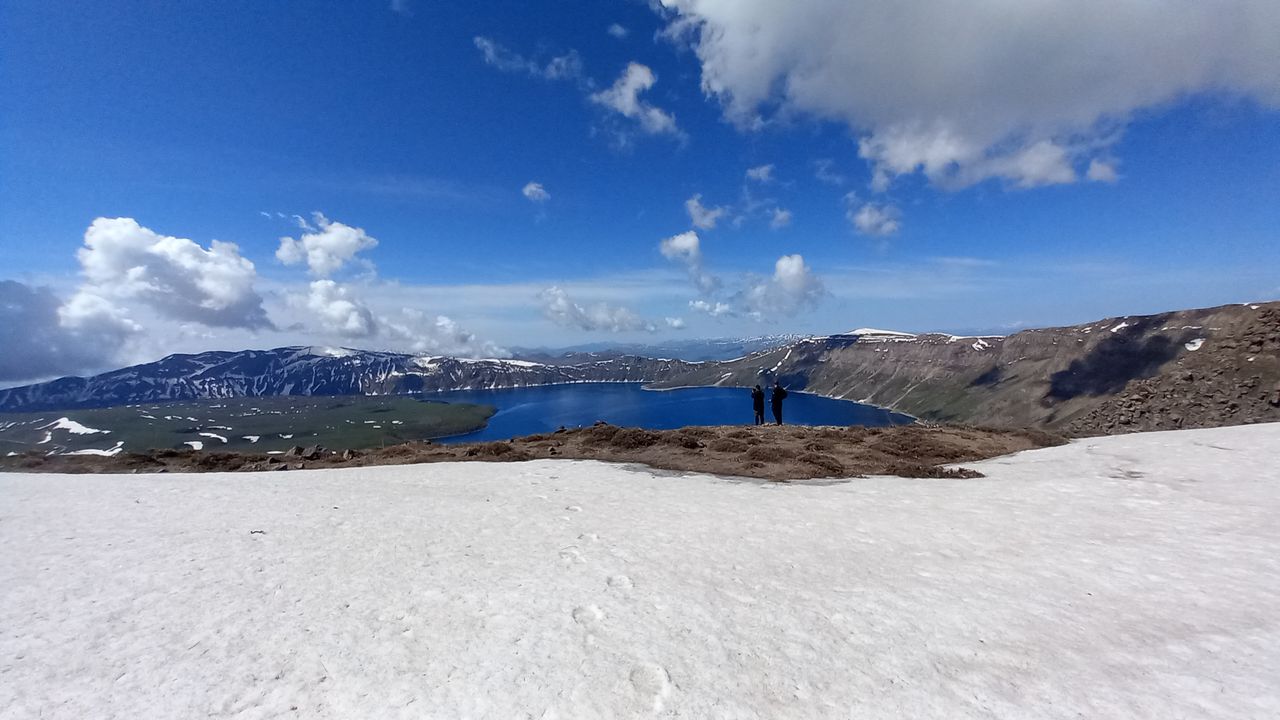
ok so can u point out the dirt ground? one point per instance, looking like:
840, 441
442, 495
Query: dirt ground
767, 452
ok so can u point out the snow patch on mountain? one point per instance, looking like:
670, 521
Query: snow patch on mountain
72, 426
103, 453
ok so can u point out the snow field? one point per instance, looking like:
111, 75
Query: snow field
1133, 576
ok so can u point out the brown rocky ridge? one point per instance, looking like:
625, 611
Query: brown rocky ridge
765, 452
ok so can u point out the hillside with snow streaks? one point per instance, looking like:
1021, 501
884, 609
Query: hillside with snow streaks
1190, 368
316, 371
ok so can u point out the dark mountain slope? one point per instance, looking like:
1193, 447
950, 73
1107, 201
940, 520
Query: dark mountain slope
1192, 368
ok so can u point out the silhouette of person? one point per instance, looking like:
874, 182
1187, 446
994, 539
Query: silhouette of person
778, 396
757, 403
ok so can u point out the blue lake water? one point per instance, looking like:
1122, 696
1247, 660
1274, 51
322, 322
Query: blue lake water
524, 411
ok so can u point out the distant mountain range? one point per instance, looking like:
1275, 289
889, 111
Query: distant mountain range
1191, 368
316, 371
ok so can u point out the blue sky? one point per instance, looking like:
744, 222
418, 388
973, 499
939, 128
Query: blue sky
1087, 169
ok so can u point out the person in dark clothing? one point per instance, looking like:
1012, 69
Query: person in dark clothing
757, 403
778, 396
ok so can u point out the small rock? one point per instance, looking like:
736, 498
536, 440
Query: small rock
295, 451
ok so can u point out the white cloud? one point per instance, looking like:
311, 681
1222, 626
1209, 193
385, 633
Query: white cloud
1102, 171
617, 31
675, 323
714, 309
704, 218
338, 312
417, 332
761, 173
123, 261
326, 249
1025, 92
792, 288
38, 343
686, 249
558, 307
781, 218
872, 218
535, 192
624, 98
562, 67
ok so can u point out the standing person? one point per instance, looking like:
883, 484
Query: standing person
757, 403
778, 396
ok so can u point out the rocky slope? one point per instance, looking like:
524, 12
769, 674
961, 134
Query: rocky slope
315, 371
1191, 368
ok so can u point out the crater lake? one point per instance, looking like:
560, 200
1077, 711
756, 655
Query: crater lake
525, 411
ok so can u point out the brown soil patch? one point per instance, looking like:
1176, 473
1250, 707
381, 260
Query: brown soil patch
767, 452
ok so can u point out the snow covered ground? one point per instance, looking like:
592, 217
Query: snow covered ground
1134, 576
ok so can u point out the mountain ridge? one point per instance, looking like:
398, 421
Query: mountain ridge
1188, 368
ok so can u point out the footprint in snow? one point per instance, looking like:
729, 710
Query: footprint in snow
588, 616
652, 685
620, 582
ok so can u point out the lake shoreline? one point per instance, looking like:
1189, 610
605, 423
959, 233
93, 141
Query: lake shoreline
549, 407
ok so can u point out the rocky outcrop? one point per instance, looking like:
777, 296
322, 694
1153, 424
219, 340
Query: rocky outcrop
1234, 380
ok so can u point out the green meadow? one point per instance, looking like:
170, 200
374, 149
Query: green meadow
261, 424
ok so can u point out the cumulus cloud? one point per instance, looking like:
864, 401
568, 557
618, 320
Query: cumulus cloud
39, 344
703, 217
1102, 171
338, 311
871, 218
714, 309
559, 308
617, 31
535, 192
418, 332
562, 67
761, 173
781, 218
793, 287
122, 260
675, 323
686, 249
327, 248
624, 98
962, 92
